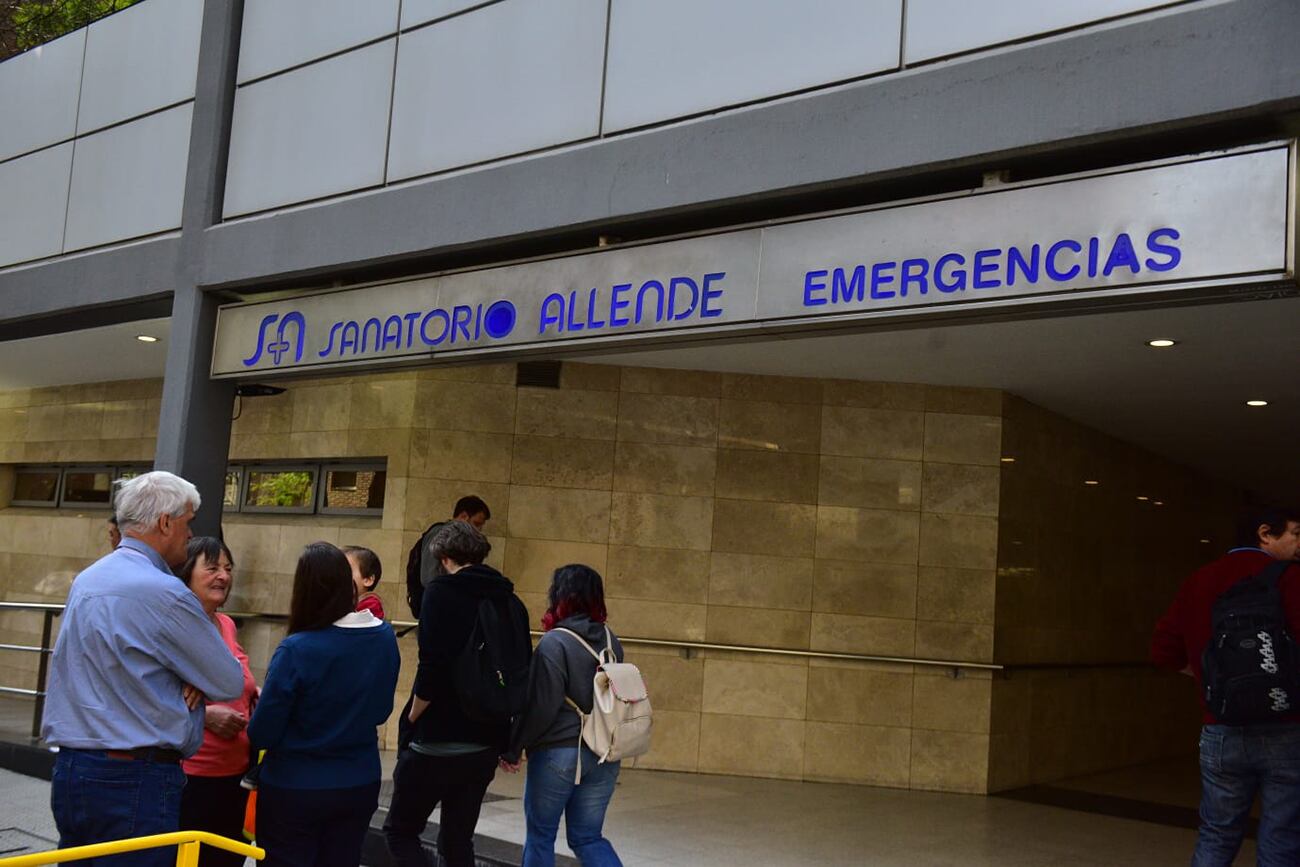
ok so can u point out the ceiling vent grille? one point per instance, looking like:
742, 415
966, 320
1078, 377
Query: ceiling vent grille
538, 374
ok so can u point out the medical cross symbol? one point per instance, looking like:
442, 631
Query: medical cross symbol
281, 345
278, 349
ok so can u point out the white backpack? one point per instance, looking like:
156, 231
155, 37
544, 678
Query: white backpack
619, 724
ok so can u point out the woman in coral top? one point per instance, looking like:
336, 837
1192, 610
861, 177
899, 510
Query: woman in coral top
213, 799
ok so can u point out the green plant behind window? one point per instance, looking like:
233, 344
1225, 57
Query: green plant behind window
279, 489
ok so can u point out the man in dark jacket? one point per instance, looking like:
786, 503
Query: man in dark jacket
421, 568
452, 757
1238, 761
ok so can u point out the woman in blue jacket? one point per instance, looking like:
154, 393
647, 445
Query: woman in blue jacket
330, 684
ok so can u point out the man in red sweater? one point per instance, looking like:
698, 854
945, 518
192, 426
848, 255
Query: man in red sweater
1238, 761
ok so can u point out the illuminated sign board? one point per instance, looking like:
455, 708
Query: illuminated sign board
1174, 225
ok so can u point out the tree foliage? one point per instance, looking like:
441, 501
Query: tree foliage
27, 23
291, 488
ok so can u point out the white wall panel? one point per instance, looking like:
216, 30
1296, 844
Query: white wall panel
278, 34
669, 58
309, 133
140, 60
129, 181
939, 27
514, 77
419, 11
38, 95
34, 190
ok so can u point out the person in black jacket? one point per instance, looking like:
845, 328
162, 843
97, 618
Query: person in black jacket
550, 730
451, 758
422, 568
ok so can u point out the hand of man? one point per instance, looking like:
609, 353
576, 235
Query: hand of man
193, 698
418, 707
224, 722
508, 767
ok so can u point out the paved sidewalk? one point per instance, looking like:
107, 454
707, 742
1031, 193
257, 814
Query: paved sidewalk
661, 818
25, 821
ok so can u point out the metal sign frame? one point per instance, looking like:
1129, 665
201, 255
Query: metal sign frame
1255, 251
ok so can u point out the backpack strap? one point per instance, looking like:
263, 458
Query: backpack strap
609, 649
583, 642
491, 621
582, 717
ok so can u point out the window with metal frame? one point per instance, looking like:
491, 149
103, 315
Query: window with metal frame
287, 488
87, 487
36, 486
353, 489
230, 493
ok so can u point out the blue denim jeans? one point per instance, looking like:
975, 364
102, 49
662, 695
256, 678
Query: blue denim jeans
1236, 763
549, 792
96, 799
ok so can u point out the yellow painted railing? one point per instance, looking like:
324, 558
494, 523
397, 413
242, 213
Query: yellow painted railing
187, 851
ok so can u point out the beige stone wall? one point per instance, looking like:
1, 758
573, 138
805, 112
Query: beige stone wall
839, 516
1084, 571
41, 551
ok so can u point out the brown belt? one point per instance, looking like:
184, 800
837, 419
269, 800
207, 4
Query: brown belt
158, 755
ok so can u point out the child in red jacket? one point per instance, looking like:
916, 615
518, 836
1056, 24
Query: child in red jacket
366, 571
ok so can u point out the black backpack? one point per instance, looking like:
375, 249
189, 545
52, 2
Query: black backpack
414, 569
490, 674
1251, 667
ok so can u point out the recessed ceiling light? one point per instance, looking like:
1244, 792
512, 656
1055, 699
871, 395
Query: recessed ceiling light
1157, 502
1091, 482
1142, 498
1256, 403
1205, 541
146, 338
1008, 460
1162, 343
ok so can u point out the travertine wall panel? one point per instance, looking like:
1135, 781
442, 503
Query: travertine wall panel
1079, 586
851, 517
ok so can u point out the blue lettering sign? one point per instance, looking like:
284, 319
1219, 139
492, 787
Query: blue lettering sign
659, 303
1122, 255
813, 281
707, 295
1016, 259
553, 312
982, 267
854, 287
1173, 254
914, 271
1050, 263
955, 281
424, 327
673, 283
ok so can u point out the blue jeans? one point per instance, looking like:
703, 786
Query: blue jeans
1237, 762
549, 792
96, 799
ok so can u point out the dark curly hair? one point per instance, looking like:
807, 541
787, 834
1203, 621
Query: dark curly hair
575, 589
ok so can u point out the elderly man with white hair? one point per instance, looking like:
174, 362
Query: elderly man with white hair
136, 654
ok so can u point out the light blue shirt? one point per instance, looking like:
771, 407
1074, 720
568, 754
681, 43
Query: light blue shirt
132, 636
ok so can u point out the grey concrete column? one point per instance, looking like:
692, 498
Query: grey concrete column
194, 422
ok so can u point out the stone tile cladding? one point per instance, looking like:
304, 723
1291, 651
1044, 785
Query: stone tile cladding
825, 515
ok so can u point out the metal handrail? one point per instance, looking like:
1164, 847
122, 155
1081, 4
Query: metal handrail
29, 648
779, 651
49, 611
187, 845
407, 625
